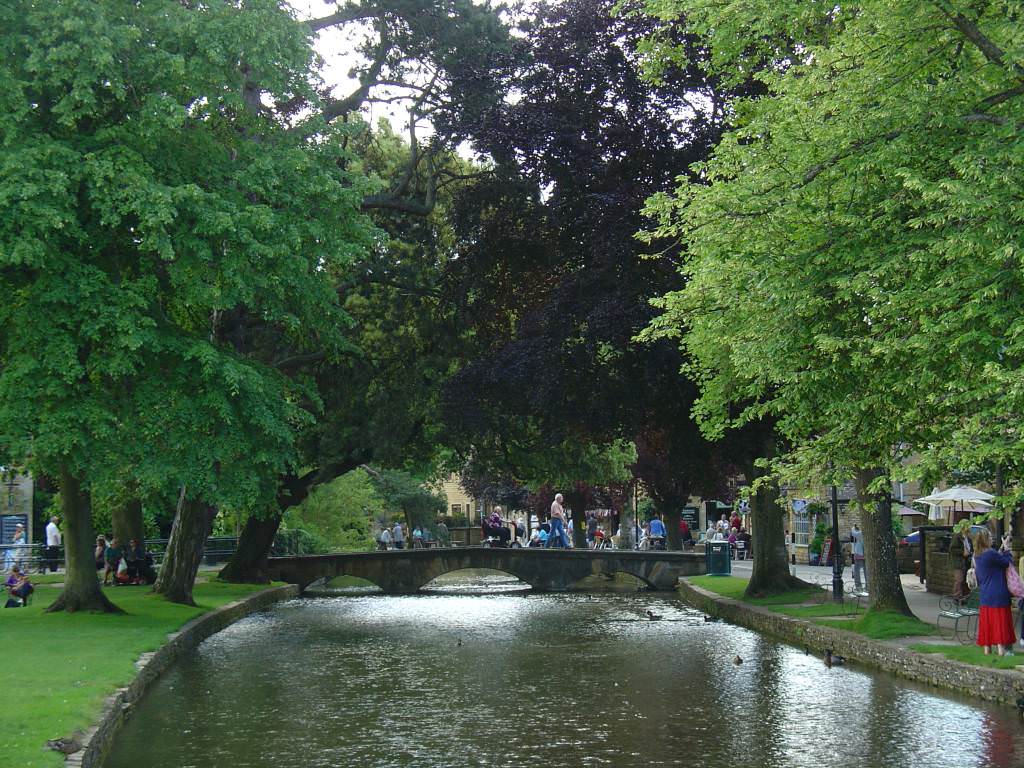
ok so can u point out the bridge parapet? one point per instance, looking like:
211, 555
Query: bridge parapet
548, 570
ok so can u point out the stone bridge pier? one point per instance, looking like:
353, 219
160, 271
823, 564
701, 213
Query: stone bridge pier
547, 570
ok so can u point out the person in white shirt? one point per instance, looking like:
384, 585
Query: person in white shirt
558, 523
53, 542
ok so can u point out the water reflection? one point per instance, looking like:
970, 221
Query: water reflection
456, 679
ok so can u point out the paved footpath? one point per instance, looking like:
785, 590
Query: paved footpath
925, 605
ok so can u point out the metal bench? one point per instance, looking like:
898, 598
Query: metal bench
959, 612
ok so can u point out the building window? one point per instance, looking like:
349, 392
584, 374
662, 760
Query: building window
456, 510
801, 522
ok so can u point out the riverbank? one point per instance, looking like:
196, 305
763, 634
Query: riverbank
60, 669
901, 655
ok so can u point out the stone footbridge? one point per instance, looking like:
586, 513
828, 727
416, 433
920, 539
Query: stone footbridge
548, 570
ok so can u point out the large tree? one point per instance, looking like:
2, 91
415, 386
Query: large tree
157, 214
853, 276
550, 277
378, 400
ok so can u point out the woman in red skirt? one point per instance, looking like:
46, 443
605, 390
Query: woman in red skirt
995, 622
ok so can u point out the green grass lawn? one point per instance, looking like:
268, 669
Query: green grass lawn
824, 609
46, 578
971, 654
734, 587
884, 625
59, 668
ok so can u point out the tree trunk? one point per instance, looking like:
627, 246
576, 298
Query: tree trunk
770, 571
884, 585
577, 502
81, 586
127, 521
192, 524
248, 565
671, 516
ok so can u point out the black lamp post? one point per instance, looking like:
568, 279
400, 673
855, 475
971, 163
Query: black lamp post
837, 563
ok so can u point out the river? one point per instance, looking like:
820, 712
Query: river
476, 674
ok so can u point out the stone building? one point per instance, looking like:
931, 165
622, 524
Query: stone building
460, 502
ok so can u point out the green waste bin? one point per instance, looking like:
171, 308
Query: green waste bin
718, 558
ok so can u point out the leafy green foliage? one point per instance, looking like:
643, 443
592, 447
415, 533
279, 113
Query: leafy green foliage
851, 249
340, 512
405, 494
154, 220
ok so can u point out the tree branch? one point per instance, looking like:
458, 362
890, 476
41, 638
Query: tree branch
295, 489
296, 361
367, 80
815, 170
981, 41
982, 118
998, 98
342, 16
404, 205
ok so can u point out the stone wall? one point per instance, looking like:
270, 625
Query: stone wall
1001, 686
97, 741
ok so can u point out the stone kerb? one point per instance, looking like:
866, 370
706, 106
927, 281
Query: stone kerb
1001, 686
98, 739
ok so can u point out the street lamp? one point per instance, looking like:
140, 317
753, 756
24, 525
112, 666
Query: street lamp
837, 565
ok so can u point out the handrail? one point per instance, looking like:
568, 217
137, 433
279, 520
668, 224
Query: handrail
218, 549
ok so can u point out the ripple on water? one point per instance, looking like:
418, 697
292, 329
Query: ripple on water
453, 678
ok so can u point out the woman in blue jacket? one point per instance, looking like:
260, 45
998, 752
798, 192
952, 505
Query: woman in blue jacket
995, 622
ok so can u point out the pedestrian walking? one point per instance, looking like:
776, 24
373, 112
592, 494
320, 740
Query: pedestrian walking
558, 523
13, 555
398, 536
859, 574
53, 542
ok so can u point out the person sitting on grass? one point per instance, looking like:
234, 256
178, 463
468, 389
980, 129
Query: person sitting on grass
140, 563
100, 552
18, 587
112, 556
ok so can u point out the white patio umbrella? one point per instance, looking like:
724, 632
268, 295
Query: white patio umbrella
961, 497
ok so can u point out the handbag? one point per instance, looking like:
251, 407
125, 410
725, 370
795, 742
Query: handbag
972, 577
1014, 582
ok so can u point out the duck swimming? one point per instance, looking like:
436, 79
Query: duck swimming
832, 659
652, 616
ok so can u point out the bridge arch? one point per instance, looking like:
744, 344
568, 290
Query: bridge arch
490, 570
641, 580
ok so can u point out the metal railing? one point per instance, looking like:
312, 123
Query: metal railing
33, 557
